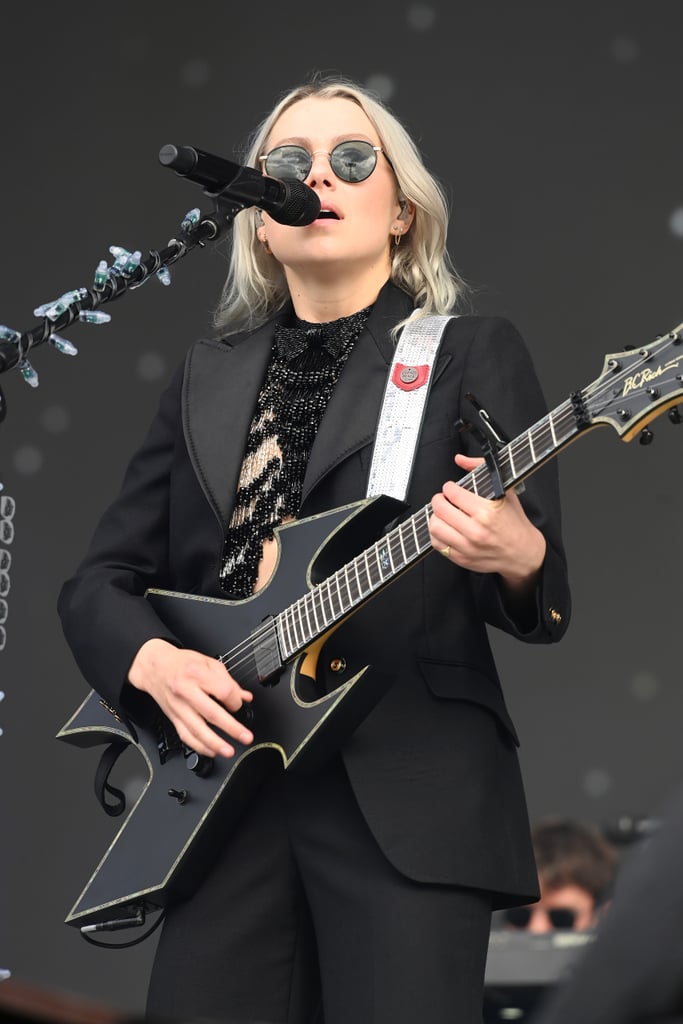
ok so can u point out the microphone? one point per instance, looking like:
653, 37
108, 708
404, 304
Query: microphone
287, 202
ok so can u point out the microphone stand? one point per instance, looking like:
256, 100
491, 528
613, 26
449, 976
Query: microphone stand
209, 228
194, 233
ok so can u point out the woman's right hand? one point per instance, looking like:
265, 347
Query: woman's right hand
195, 692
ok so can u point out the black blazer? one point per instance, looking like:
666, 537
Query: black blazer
434, 765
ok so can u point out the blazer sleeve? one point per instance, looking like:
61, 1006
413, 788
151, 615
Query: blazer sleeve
104, 614
499, 372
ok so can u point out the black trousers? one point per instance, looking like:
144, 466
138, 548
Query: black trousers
303, 920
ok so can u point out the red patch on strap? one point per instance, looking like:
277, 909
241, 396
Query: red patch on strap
409, 378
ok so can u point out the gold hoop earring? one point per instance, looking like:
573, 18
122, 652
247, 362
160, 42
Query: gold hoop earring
397, 237
266, 246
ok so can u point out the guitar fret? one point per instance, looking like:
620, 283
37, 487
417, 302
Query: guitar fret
294, 620
407, 533
307, 602
299, 624
367, 571
326, 603
335, 595
314, 609
413, 524
330, 598
349, 591
380, 561
394, 547
288, 634
372, 571
343, 588
356, 565
552, 428
403, 550
544, 439
513, 472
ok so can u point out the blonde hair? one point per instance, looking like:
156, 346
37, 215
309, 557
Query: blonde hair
256, 287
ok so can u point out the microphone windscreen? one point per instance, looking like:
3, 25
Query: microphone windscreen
300, 207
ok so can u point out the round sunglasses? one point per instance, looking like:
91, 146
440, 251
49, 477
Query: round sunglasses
560, 917
352, 160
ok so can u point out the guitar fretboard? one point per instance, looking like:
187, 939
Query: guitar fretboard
330, 601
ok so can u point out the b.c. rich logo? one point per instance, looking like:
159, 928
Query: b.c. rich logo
646, 376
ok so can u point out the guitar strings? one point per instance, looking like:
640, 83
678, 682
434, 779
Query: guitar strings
563, 419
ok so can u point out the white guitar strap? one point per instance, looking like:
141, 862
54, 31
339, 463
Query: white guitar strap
403, 406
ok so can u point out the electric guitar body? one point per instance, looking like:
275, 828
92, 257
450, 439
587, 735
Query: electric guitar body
189, 805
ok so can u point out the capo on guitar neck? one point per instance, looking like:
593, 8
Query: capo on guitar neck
492, 440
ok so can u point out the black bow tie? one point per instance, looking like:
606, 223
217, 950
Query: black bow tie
332, 337
293, 341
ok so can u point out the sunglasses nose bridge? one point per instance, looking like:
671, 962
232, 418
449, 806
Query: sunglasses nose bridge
321, 168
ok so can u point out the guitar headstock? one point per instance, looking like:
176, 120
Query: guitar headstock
636, 386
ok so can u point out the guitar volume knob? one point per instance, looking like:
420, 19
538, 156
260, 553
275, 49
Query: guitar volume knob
198, 764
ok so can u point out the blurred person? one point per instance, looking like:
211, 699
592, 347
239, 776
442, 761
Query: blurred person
632, 972
577, 867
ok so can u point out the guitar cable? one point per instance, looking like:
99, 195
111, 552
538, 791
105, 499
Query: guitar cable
116, 925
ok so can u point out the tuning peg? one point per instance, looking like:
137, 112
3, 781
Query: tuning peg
675, 416
646, 436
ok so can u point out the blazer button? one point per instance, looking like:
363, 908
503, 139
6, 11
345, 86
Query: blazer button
555, 616
338, 665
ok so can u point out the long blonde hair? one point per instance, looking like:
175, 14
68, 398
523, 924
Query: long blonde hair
256, 287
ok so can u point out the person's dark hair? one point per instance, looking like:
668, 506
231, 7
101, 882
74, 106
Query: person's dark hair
570, 853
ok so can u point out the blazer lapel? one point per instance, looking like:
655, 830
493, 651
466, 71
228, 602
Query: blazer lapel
350, 420
220, 390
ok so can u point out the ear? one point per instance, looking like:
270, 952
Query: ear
407, 211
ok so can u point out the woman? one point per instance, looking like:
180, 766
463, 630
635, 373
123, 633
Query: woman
376, 876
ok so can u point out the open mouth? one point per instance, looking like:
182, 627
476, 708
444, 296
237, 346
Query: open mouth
327, 215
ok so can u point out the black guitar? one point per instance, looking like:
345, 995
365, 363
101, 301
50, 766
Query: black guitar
189, 803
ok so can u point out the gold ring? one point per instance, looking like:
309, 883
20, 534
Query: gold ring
445, 551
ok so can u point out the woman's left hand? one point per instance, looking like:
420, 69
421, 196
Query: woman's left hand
486, 536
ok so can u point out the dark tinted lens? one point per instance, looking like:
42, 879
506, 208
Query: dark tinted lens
353, 161
518, 917
289, 163
562, 917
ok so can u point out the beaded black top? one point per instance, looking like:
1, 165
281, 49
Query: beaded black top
304, 367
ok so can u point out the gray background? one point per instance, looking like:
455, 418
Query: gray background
557, 130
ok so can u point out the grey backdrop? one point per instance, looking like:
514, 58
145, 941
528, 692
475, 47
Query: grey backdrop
557, 130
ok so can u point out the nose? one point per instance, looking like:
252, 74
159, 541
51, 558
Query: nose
321, 170
539, 922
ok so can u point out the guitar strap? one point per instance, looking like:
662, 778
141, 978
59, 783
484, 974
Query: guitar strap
403, 405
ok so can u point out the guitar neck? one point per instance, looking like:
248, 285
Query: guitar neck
351, 586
